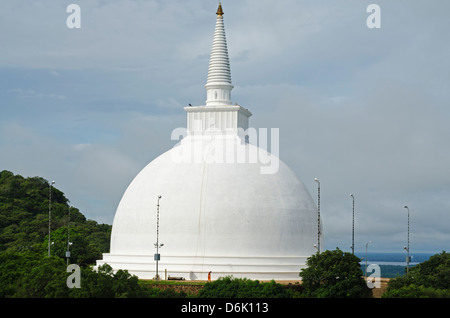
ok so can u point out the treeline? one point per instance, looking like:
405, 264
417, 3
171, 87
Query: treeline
430, 279
30, 275
26, 271
24, 221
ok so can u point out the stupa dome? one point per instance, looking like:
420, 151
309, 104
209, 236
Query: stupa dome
216, 201
228, 218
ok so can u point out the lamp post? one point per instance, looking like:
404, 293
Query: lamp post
49, 214
365, 272
157, 245
318, 214
353, 225
407, 246
68, 239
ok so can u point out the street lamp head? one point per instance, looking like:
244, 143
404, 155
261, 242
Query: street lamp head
406, 207
53, 182
317, 180
351, 194
159, 197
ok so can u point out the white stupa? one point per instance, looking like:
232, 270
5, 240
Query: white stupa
226, 207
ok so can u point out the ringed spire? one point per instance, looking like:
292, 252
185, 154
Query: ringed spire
218, 85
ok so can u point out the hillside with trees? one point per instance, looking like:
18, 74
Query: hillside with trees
430, 279
26, 271
24, 221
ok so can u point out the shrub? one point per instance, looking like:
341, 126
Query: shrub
333, 274
429, 279
230, 287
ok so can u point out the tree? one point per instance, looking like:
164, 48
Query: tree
333, 274
24, 212
28, 274
230, 287
33, 275
429, 279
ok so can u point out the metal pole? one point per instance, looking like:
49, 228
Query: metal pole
157, 239
353, 225
318, 214
407, 247
49, 215
68, 239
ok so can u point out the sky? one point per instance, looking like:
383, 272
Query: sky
364, 110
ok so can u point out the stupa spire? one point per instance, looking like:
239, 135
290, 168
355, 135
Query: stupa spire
218, 85
219, 118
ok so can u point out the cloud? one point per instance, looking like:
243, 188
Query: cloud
85, 173
127, 33
30, 94
93, 175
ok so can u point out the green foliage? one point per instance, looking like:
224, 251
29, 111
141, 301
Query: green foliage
429, 279
435, 272
333, 274
25, 269
106, 284
31, 275
24, 212
414, 291
229, 287
28, 274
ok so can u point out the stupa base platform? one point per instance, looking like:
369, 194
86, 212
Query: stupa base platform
197, 268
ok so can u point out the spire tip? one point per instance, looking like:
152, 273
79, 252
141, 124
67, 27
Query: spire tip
219, 10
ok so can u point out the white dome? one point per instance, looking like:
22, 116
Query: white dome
228, 218
227, 206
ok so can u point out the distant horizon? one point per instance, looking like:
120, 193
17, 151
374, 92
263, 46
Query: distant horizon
411, 253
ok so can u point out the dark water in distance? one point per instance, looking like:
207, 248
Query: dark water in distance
391, 265
393, 258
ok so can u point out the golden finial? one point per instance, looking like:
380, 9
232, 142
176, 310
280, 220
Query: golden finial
219, 10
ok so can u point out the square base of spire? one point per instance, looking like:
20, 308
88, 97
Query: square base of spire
217, 119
